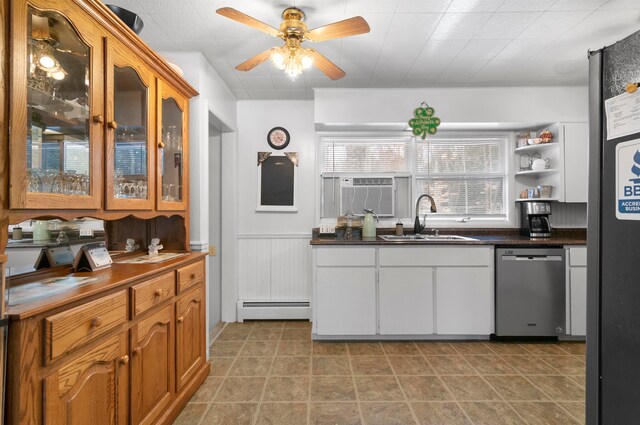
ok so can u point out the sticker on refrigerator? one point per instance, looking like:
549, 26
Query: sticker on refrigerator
628, 180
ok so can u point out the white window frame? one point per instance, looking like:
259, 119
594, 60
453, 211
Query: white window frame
451, 221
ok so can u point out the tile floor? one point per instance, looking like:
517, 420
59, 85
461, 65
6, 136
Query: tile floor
272, 373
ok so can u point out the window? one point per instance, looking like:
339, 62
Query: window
366, 155
465, 176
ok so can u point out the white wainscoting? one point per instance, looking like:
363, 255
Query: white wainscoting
275, 268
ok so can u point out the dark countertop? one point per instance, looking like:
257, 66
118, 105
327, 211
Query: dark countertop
500, 237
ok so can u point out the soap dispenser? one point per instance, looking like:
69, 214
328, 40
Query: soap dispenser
369, 224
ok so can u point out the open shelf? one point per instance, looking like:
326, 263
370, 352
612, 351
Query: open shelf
537, 172
538, 147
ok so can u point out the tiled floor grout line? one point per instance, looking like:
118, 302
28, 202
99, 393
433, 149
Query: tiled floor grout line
266, 379
355, 387
224, 377
453, 397
404, 394
309, 386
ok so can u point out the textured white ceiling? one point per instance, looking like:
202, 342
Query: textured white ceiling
412, 43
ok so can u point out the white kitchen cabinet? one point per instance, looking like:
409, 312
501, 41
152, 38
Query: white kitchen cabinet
345, 301
406, 300
578, 276
576, 161
464, 301
577, 290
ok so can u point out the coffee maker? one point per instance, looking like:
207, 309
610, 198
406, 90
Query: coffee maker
534, 219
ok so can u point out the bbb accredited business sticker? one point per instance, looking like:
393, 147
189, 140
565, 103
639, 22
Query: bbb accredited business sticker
628, 180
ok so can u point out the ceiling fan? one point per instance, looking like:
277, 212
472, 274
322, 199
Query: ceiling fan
292, 57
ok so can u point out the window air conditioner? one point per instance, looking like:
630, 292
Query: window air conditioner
376, 193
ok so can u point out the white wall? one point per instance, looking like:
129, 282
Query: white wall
453, 105
255, 119
275, 256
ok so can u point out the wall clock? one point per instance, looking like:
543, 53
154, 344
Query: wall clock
278, 138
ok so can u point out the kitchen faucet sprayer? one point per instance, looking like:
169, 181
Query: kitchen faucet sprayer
417, 226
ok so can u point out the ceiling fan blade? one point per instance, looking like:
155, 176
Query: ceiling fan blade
329, 68
348, 27
249, 64
238, 16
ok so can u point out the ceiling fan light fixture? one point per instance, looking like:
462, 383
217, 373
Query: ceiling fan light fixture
307, 60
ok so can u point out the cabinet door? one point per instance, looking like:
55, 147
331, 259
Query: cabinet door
578, 276
173, 149
130, 140
90, 390
576, 162
151, 366
406, 300
346, 300
190, 336
464, 301
56, 107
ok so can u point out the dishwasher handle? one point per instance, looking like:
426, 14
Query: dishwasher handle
531, 258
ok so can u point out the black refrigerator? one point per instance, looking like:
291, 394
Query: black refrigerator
613, 238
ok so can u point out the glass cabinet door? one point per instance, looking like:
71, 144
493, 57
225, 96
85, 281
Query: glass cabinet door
172, 149
56, 116
130, 94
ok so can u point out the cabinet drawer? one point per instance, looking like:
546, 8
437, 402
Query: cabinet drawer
345, 257
438, 256
66, 331
153, 292
190, 275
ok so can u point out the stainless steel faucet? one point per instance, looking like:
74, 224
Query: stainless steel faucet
417, 226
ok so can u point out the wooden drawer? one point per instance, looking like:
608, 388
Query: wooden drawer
66, 331
153, 292
190, 275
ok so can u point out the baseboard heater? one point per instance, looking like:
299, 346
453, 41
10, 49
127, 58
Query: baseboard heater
273, 310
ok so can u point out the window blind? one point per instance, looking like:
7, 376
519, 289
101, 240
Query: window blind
465, 176
366, 156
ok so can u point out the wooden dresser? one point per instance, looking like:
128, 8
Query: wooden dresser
128, 348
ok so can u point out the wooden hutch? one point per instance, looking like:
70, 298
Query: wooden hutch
93, 123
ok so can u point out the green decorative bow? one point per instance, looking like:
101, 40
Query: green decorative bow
424, 121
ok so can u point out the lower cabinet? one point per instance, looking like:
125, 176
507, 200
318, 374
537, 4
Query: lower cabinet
120, 358
345, 301
91, 390
151, 366
406, 300
464, 301
190, 336
443, 290
577, 290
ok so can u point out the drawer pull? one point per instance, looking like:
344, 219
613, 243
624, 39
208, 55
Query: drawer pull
124, 359
112, 124
98, 119
180, 319
159, 292
96, 322
137, 351
192, 276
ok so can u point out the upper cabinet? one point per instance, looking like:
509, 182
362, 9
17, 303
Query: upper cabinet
130, 152
98, 121
56, 85
173, 171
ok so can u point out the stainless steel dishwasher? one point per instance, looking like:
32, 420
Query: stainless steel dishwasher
530, 291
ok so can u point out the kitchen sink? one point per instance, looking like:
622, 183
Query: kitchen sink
425, 238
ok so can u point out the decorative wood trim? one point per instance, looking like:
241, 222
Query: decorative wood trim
128, 38
4, 128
